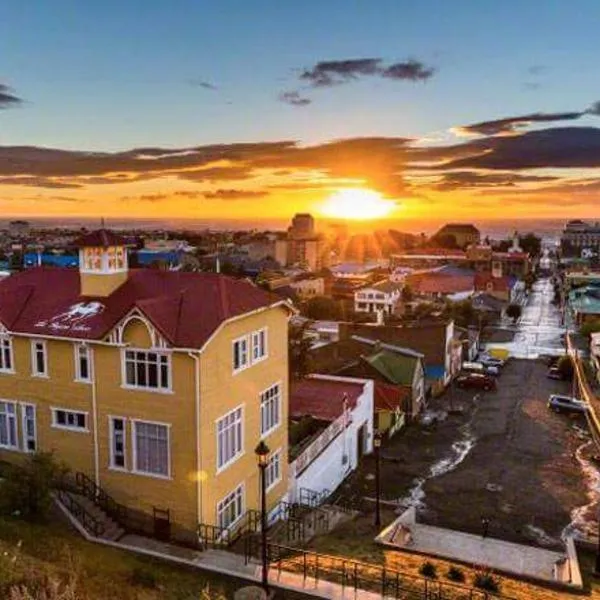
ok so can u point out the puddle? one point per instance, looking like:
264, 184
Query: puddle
540, 536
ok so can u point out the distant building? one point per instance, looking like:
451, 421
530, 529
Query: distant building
382, 296
579, 235
302, 246
303, 227
464, 234
308, 286
19, 228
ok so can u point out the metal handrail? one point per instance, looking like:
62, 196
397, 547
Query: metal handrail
94, 492
87, 520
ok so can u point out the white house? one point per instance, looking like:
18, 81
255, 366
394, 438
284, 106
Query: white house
337, 414
384, 296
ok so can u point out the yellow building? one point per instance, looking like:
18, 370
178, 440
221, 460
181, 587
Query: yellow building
156, 385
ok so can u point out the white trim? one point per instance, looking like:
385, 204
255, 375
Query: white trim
139, 388
134, 468
11, 371
199, 470
24, 439
237, 456
279, 476
247, 364
111, 441
77, 364
268, 432
95, 419
14, 414
34, 373
55, 425
231, 525
265, 332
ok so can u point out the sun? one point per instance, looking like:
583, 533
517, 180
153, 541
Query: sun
357, 204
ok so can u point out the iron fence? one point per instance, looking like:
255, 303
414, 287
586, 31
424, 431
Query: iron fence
87, 520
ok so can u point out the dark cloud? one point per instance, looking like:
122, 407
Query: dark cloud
7, 97
42, 182
536, 69
234, 194
456, 180
510, 125
335, 72
201, 83
294, 99
594, 109
411, 70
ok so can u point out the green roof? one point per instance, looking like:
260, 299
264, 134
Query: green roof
585, 300
396, 368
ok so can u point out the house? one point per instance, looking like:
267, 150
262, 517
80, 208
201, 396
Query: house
432, 339
489, 305
384, 296
437, 284
331, 429
390, 404
584, 303
464, 234
155, 385
468, 340
501, 287
308, 286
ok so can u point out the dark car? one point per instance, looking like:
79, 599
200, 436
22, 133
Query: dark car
476, 380
566, 404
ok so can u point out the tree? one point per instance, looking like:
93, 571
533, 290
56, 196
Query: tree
514, 311
531, 243
27, 488
590, 327
565, 367
321, 308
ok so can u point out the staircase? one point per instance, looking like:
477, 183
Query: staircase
90, 516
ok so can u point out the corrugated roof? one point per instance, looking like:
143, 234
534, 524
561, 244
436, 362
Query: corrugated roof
390, 397
323, 399
396, 368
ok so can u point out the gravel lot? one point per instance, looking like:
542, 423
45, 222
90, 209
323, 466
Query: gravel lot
508, 459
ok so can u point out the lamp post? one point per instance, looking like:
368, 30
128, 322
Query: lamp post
262, 453
377, 445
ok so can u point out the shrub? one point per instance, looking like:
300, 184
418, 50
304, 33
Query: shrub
428, 569
485, 580
27, 489
143, 577
455, 574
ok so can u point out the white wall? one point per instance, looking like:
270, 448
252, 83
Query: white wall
327, 471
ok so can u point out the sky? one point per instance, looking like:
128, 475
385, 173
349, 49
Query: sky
259, 109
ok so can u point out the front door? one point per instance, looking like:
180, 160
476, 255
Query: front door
162, 524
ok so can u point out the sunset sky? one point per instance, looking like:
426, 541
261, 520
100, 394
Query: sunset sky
258, 109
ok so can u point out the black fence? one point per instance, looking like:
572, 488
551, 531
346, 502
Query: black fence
92, 525
356, 575
87, 487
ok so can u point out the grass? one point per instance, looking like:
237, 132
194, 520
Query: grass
31, 554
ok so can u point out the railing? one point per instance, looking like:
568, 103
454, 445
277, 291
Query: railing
212, 536
87, 487
313, 498
310, 453
359, 575
88, 521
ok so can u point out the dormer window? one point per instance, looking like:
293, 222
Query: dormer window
112, 259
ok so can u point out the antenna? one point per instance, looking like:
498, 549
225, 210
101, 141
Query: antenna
102, 222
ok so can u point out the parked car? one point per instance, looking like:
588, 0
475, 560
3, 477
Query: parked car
490, 361
478, 367
555, 373
476, 380
566, 404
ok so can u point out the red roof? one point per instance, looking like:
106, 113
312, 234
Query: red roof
514, 256
186, 308
440, 284
390, 397
323, 399
100, 238
499, 284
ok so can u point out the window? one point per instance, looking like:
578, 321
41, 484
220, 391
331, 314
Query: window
231, 508
6, 355
259, 345
151, 448
83, 363
8, 425
149, 370
270, 409
28, 428
229, 437
273, 470
39, 362
240, 354
69, 419
117, 443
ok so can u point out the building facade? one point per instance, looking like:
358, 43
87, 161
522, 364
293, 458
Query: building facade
156, 385
384, 296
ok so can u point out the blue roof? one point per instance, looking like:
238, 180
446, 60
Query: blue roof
52, 260
147, 257
435, 372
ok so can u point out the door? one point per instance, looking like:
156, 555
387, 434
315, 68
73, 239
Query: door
162, 524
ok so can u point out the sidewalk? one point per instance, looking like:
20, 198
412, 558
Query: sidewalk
226, 563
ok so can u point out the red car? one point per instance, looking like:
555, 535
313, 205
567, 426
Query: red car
476, 380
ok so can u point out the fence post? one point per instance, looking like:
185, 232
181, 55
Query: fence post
304, 563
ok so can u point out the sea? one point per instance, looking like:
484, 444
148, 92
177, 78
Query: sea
548, 229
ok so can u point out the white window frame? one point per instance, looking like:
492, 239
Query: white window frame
11, 416
239, 490
111, 440
34, 350
75, 428
243, 365
272, 479
255, 337
77, 348
155, 390
242, 450
263, 409
6, 339
24, 437
134, 469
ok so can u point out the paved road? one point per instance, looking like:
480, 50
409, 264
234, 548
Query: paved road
539, 329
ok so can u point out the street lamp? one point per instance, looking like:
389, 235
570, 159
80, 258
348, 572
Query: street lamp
377, 445
262, 453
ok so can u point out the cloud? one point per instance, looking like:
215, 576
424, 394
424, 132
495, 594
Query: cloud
7, 97
336, 72
510, 125
43, 182
594, 109
235, 194
294, 99
537, 69
457, 180
411, 70
201, 83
